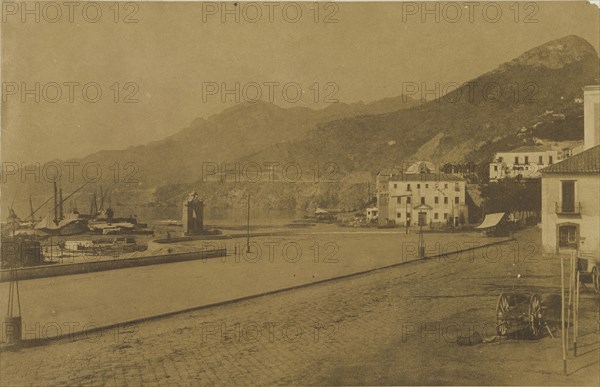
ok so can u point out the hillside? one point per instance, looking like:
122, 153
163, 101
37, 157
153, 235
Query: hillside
535, 96
237, 131
457, 126
135, 172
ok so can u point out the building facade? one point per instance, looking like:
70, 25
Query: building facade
524, 162
422, 195
591, 116
372, 214
570, 204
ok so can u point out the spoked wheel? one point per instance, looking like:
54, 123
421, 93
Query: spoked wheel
502, 309
595, 279
535, 315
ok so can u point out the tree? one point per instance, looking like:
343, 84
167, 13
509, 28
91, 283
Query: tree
511, 195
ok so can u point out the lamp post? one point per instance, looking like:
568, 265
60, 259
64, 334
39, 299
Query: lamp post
248, 227
12, 321
421, 240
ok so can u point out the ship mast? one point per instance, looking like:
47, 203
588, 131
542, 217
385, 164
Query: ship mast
31, 212
55, 204
61, 212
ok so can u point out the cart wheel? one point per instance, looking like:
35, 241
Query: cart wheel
595, 279
502, 309
535, 315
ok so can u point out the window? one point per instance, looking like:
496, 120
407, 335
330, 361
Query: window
418, 186
500, 159
398, 200
399, 215
456, 200
516, 159
568, 196
567, 236
422, 199
395, 185
446, 185
541, 160
526, 159
426, 185
408, 187
436, 200
435, 216
456, 187
445, 199
549, 159
495, 168
408, 200
446, 216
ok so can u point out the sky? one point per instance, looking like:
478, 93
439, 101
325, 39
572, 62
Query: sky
156, 63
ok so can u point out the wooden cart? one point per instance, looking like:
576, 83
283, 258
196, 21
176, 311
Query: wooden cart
516, 312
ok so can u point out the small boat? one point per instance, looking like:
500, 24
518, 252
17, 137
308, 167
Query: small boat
71, 224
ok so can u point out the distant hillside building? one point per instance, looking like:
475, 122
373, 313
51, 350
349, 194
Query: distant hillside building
372, 214
524, 162
403, 195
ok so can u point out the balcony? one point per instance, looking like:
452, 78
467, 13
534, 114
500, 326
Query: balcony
568, 208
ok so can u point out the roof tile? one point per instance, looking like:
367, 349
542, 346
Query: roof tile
587, 161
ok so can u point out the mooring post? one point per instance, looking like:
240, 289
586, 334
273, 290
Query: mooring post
576, 314
562, 313
248, 228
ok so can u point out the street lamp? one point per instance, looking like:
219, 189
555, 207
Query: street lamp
248, 227
421, 239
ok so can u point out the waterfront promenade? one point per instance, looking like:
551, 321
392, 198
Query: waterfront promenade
73, 303
366, 335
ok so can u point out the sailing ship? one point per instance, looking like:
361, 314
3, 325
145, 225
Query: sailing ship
59, 223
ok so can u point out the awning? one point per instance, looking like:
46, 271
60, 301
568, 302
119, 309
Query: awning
491, 220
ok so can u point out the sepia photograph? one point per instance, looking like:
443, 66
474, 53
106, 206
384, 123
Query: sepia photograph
300, 193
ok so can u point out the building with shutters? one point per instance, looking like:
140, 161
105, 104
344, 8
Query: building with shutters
420, 192
570, 202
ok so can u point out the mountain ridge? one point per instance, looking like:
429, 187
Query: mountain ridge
525, 88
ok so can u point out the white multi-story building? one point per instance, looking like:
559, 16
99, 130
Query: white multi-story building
570, 204
420, 194
524, 162
372, 214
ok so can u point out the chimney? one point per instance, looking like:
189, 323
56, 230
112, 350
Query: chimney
591, 116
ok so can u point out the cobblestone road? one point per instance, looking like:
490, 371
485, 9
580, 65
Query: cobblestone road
82, 301
360, 330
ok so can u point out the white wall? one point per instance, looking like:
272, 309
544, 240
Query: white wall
586, 193
428, 189
591, 116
